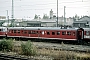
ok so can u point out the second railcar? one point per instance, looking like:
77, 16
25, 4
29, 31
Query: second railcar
87, 34
3, 31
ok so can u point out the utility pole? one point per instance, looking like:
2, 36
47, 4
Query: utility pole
7, 14
12, 22
57, 13
7, 17
64, 15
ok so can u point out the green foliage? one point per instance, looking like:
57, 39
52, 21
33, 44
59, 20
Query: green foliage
2, 23
27, 48
45, 16
6, 45
36, 17
10, 25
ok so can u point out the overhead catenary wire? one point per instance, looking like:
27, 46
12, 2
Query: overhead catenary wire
43, 4
26, 7
48, 1
20, 9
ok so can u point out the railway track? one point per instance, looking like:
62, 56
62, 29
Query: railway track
11, 57
48, 46
66, 47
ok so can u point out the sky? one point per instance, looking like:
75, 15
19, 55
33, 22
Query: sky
28, 8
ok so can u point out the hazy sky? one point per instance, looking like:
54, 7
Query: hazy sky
28, 8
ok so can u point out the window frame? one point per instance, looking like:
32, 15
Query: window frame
48, 33
14, 31
74, 33
87, 32
53, 33
68, 33
63, 32
58, 32
18, 31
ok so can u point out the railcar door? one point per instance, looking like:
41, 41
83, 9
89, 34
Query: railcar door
80, 34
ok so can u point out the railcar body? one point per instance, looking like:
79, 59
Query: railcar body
46, 33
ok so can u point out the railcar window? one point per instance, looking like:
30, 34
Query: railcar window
0, 29
42, 32
58, 33
73, 33
14, 31
18, 31
33, 32
48, 33
87, 32
53, 33
21, 31
63, 33
29, 32
37, 32
9, 31
68, 33
25, 32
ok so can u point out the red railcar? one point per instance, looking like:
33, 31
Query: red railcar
46, 33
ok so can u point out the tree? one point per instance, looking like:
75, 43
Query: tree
36, 17
76, 17
54, 16
2, 23
81, 16
45, 16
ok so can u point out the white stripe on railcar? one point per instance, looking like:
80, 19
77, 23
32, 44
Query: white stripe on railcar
85, 36
42, 37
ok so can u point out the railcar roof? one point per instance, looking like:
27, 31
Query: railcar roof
39, 28
85, 29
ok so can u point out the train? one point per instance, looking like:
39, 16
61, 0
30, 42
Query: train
64, 34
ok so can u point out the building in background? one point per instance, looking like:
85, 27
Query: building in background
30, 23
83, 22
38, 22
2, 17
